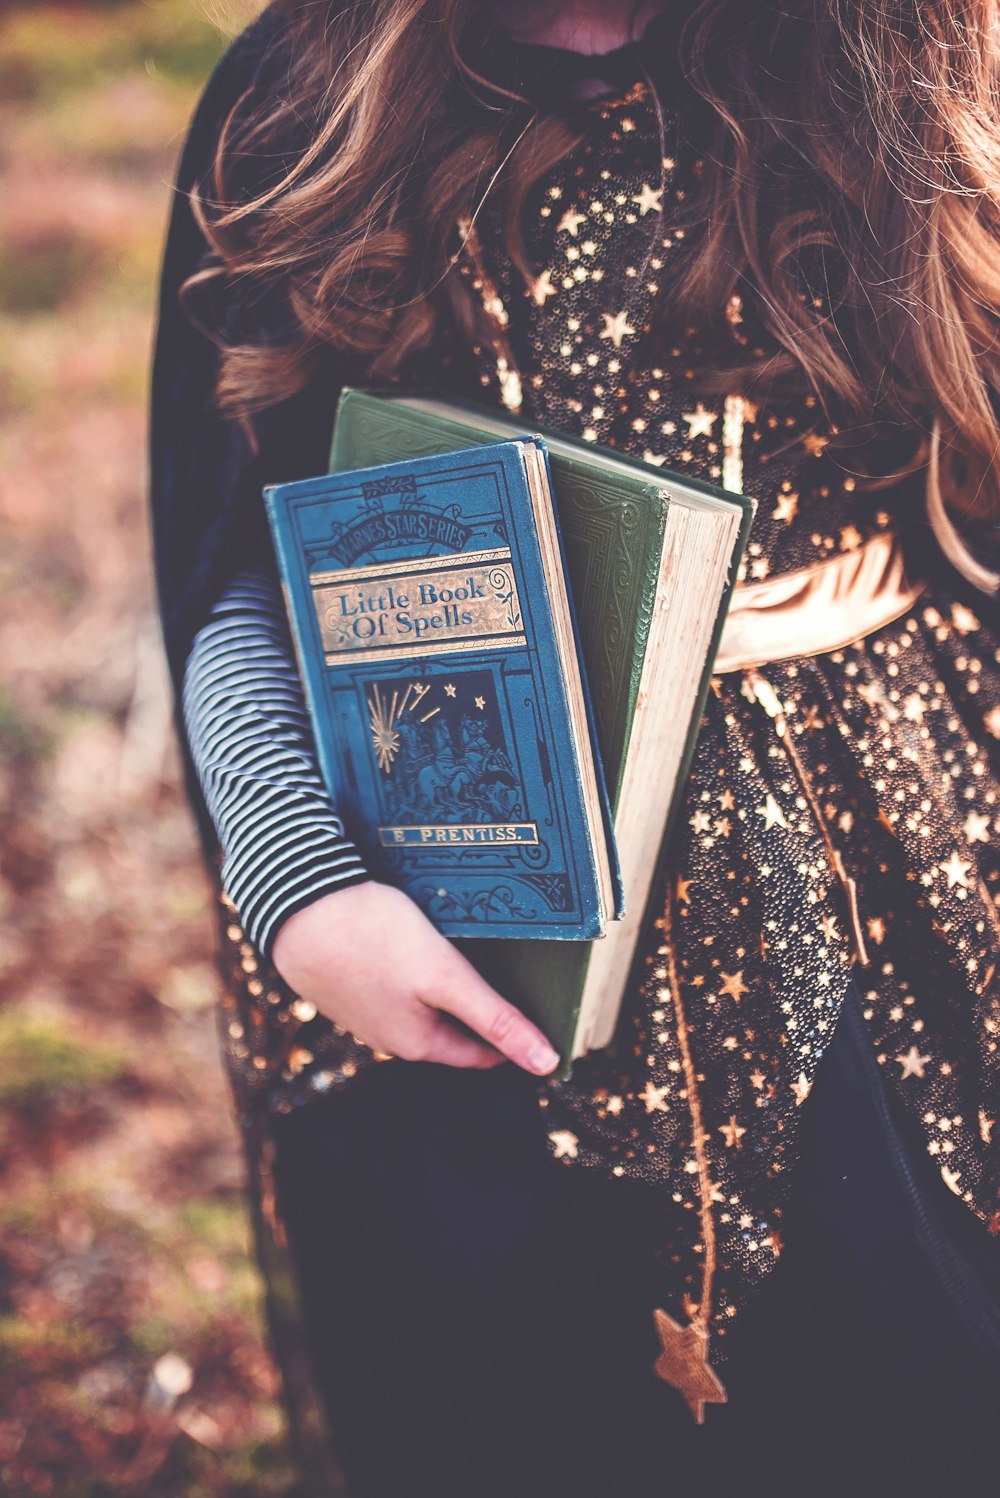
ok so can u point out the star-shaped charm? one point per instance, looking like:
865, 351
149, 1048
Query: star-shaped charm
450, 689
649, 199
616, 328
683, 1364
732, 1133
480, 703
571, 221
700, 421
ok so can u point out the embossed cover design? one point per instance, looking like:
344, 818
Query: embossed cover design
421, 598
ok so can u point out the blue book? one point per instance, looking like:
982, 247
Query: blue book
438, 650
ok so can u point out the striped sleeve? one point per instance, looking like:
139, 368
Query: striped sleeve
282, 841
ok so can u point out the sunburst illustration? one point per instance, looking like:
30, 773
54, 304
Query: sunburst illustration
383, 720
384, 735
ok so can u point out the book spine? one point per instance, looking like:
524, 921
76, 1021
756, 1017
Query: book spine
310, 671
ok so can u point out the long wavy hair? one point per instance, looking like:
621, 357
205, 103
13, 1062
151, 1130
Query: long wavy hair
858, 137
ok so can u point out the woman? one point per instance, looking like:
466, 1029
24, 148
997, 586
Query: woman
756, 243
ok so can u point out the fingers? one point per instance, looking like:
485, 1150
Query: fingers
501, 1024
449, 1047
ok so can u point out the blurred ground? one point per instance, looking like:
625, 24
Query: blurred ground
124, 1273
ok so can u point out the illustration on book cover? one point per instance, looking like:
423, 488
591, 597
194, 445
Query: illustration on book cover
447, 773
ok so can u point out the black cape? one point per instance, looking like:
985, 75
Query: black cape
205, 479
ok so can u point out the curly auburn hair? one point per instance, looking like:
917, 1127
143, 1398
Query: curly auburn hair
862, 132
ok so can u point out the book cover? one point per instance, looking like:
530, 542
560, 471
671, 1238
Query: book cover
424, 621
614, 512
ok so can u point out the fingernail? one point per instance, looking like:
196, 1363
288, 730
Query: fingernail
542, 1058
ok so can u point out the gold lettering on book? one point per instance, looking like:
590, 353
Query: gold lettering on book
448, 835
422, 606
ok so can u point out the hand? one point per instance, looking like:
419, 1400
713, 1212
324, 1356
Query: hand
371, 961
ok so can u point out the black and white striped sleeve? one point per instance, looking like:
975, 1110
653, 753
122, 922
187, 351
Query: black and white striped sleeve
282, 841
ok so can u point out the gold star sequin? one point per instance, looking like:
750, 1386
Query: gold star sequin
480, 703
772, 813
733, 985
950, 1178
616, 327
963, 619
450, 689
700, 421
913, 1063
571, 221
732, 1133
654, 1099
565, 1144
786, 508
683, 1364
876, 929
815, 445
801, 1089
977, 827
957, 871
649, 199
542, 288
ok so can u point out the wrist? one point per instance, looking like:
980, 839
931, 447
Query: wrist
338, 905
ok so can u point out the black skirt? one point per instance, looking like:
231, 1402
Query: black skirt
479, 1317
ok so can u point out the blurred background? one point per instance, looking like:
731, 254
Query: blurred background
131, 1350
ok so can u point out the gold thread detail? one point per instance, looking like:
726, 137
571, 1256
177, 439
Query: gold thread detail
701, 1316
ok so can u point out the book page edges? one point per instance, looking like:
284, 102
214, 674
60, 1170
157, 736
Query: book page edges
569, 660
658, 743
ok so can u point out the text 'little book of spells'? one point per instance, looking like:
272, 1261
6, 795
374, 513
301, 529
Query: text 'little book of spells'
436, 643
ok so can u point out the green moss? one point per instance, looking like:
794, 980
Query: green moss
20, 739
44, 272
38, 1060
153, 1335
170, 39
41, 1346
217, 1224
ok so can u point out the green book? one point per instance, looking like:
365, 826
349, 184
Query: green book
652, 558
